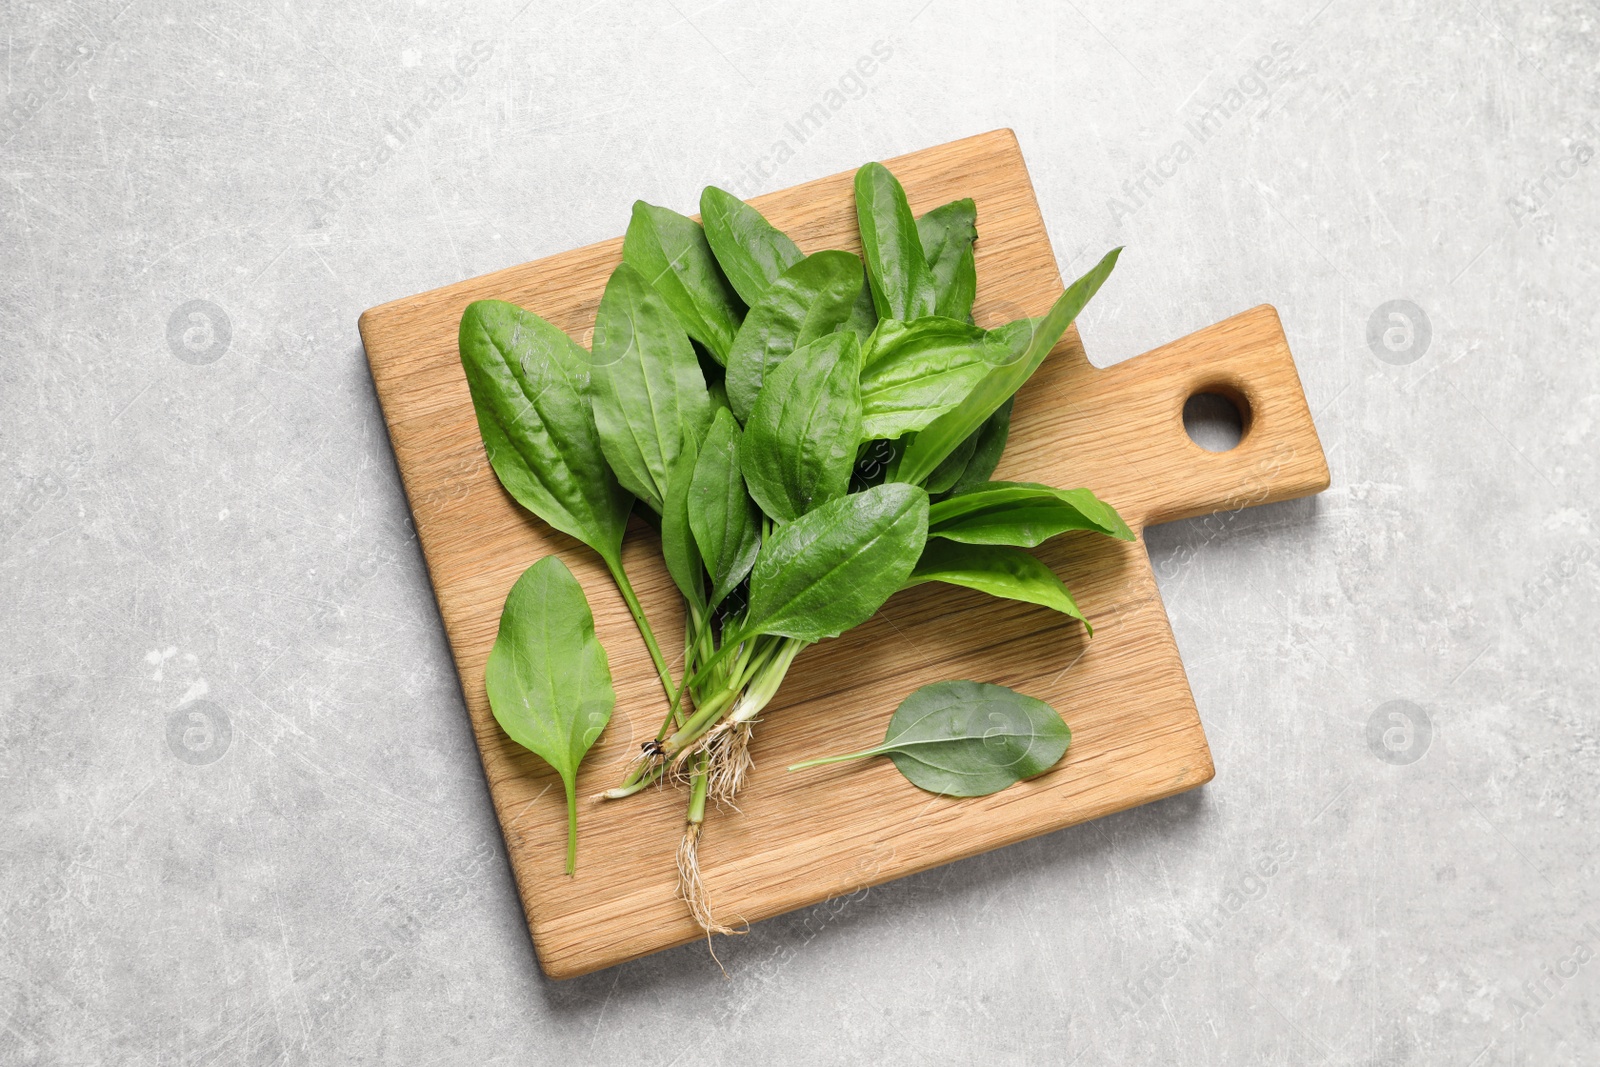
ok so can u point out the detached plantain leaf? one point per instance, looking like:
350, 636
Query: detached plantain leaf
1009, 573
800, 441
528, 380
671, 251
989, 445
1029, 342
902, 283
811, 299
946, 234
647, 390
1023, 514
726, 524
831, 569
751, 251
678, 546
913, 372
968, 739
548, 679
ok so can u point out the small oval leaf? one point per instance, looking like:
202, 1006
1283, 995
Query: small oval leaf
548, 679
968, 739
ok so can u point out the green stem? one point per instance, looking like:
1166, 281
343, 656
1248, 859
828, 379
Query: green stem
837, 759
697, 792
572, 825
761, 688
752, 689
703, 719
691, 684
637, 780
626, 587
716, 657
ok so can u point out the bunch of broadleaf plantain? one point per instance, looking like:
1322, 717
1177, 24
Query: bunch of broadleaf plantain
810, 434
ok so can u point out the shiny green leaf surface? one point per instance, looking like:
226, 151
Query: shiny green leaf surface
1024, 514
914, 372
813, 298
671, 252
833, 568
947, 234
646, 388
800, 440
988, 445
751, 251
1028, 344
726, 524
948, 472
897, 267
678, 547
528, 381
1009, 573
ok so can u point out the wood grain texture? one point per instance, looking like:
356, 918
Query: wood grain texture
807, 836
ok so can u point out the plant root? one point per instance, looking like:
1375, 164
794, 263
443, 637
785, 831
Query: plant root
705, 744
692, 887
647, 765
728, 753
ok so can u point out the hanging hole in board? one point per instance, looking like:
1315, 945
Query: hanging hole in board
1216, 417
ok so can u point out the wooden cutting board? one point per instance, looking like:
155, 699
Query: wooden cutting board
801, 838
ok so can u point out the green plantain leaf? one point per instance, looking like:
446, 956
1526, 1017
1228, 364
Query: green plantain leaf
647, 391
801, 437
947, 473
678, 546
1009, 573
863, 316
1029, 342
833, 568
751, 251
548, 679
913, 372
528, 380
726, 524
968, 739
946, 234
1023, 514
671, 251
811, 299
989, 444
902, 283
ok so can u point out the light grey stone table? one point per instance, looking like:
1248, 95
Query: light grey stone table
241, 816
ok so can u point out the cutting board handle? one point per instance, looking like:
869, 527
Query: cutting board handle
1151, 471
